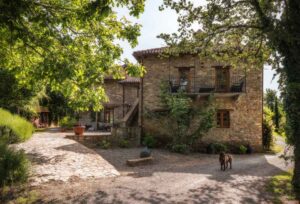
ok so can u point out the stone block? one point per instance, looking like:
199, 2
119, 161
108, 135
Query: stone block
140, 161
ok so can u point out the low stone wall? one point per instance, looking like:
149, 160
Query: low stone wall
131, 134
160, 132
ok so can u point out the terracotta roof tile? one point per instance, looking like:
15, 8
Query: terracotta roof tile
148, 51
130, 79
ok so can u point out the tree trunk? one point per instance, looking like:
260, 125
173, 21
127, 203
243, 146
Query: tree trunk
292, 107
289, 46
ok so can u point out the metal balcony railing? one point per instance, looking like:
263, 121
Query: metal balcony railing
234, 84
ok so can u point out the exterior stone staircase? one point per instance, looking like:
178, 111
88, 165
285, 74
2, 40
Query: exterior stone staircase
126, 129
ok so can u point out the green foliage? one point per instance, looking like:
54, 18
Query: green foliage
268, 115
280, 186
277, 116
268, 128
186, 122
179, 148
13, 128
13, 166
267, 135
242, 149
57, 104
123, 143
149, 141
104, 144
70, 46
275, 105
67, 122
13, 95
216, 148
29, 198
18, 194
270, 98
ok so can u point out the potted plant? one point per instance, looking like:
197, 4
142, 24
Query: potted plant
67, 123
79, 129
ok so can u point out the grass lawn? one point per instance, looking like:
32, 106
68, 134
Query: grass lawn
280, 185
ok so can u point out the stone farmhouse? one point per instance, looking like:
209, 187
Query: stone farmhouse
237, 93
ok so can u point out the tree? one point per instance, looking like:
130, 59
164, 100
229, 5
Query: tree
249, 31
13, 96
67, 45
270, 98
277, 115
272, 101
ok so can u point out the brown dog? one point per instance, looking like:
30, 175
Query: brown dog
225, 159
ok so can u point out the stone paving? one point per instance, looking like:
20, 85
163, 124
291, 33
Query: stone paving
56, 158
172, 178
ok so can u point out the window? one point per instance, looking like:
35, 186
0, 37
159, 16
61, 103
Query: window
108, 115
223, 118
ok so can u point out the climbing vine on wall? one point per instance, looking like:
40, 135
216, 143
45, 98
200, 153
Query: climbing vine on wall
186, 121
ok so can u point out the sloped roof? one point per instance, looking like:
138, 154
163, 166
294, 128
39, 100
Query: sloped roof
149, 51
130, 79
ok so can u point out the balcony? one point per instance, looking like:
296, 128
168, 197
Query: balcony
204, 86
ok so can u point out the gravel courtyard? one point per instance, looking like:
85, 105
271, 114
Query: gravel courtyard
172, 178
56, 158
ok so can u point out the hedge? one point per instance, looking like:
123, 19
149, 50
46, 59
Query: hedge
14, 128
14, 166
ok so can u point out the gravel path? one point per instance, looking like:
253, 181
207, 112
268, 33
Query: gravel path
173, 178
55, 158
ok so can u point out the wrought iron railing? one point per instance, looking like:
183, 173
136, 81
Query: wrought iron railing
235, 84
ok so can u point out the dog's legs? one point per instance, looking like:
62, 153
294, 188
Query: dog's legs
230, 164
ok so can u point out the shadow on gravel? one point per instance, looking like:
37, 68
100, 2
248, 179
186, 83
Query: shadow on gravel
245, 183
77, 148
247, 165
203, 194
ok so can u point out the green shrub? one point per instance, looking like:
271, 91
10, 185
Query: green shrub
216, 148
267, 135
14, 128
13, 166
242, 149
124, 143
149, 141
179, 148
18, 194
104, 144
67, 122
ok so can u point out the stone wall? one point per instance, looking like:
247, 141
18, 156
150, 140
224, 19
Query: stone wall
114, 92
245, 110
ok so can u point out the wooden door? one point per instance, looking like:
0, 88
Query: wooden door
222, 79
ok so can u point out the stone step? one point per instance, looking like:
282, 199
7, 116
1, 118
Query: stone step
139, 161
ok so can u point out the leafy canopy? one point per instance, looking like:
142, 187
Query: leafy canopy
68, 45
230, 31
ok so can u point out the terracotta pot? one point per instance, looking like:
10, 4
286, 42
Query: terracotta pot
79, 130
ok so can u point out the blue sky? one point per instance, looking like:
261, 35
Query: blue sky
155, 22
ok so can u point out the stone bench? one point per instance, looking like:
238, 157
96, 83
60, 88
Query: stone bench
140, 161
